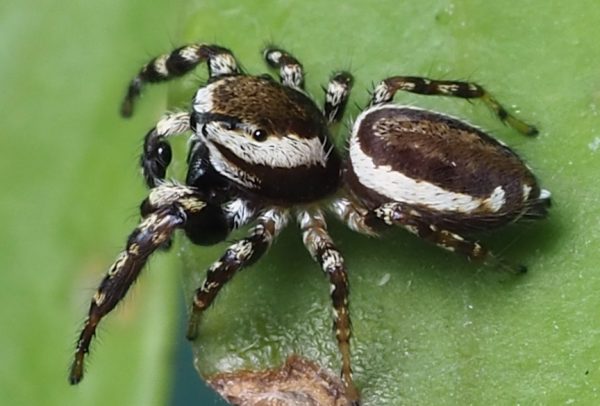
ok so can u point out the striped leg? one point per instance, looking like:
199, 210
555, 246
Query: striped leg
355, 217
291, 73
409, 218
165, 210
321, 247
156, 155
385, 91
336, 96
177, 63
239, 255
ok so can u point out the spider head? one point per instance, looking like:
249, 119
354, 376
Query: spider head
266, 138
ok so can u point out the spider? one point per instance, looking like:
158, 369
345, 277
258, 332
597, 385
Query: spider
260, 153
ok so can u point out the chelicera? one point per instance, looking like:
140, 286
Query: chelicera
260, 152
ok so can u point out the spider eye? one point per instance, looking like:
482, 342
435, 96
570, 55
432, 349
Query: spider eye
163, 152
259, 135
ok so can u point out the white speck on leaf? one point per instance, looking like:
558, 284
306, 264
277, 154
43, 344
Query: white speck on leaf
384, 279
595, 144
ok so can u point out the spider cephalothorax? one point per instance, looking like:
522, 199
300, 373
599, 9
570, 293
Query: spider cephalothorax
260, 151
264, 137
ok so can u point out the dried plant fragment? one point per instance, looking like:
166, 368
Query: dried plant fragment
299, 382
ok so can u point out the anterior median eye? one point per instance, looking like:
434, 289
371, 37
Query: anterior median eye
259, 135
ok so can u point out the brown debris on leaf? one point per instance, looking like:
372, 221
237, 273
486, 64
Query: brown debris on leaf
299, 382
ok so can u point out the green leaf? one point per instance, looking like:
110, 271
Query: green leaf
70, 191
439, 331
430, 328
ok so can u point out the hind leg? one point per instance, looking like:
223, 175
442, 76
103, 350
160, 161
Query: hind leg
397, 214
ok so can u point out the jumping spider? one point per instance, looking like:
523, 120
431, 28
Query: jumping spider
260, 152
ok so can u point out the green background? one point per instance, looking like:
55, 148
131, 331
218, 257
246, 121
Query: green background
439, 331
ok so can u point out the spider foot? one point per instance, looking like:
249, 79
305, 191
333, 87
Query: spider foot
192, 328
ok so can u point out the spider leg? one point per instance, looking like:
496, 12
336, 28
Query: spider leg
291, 73
156, 154
239, 255
354, 216
411, 219
384, 92
321, 247
336, 96
177, 63
167, 208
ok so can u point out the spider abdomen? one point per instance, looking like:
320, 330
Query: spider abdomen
452, 171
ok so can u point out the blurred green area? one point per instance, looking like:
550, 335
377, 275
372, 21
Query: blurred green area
70, 194
429, 328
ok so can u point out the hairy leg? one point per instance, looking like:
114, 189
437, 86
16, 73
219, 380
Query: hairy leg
409, 218
321, 247
166, 209
239, 255
384, 92
336, 96
176, 64
291, 72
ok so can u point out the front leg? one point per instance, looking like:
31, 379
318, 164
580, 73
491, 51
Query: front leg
239, 255
321, 248
167, 208
176, 64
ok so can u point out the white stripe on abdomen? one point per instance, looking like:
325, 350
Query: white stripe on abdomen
400, 188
